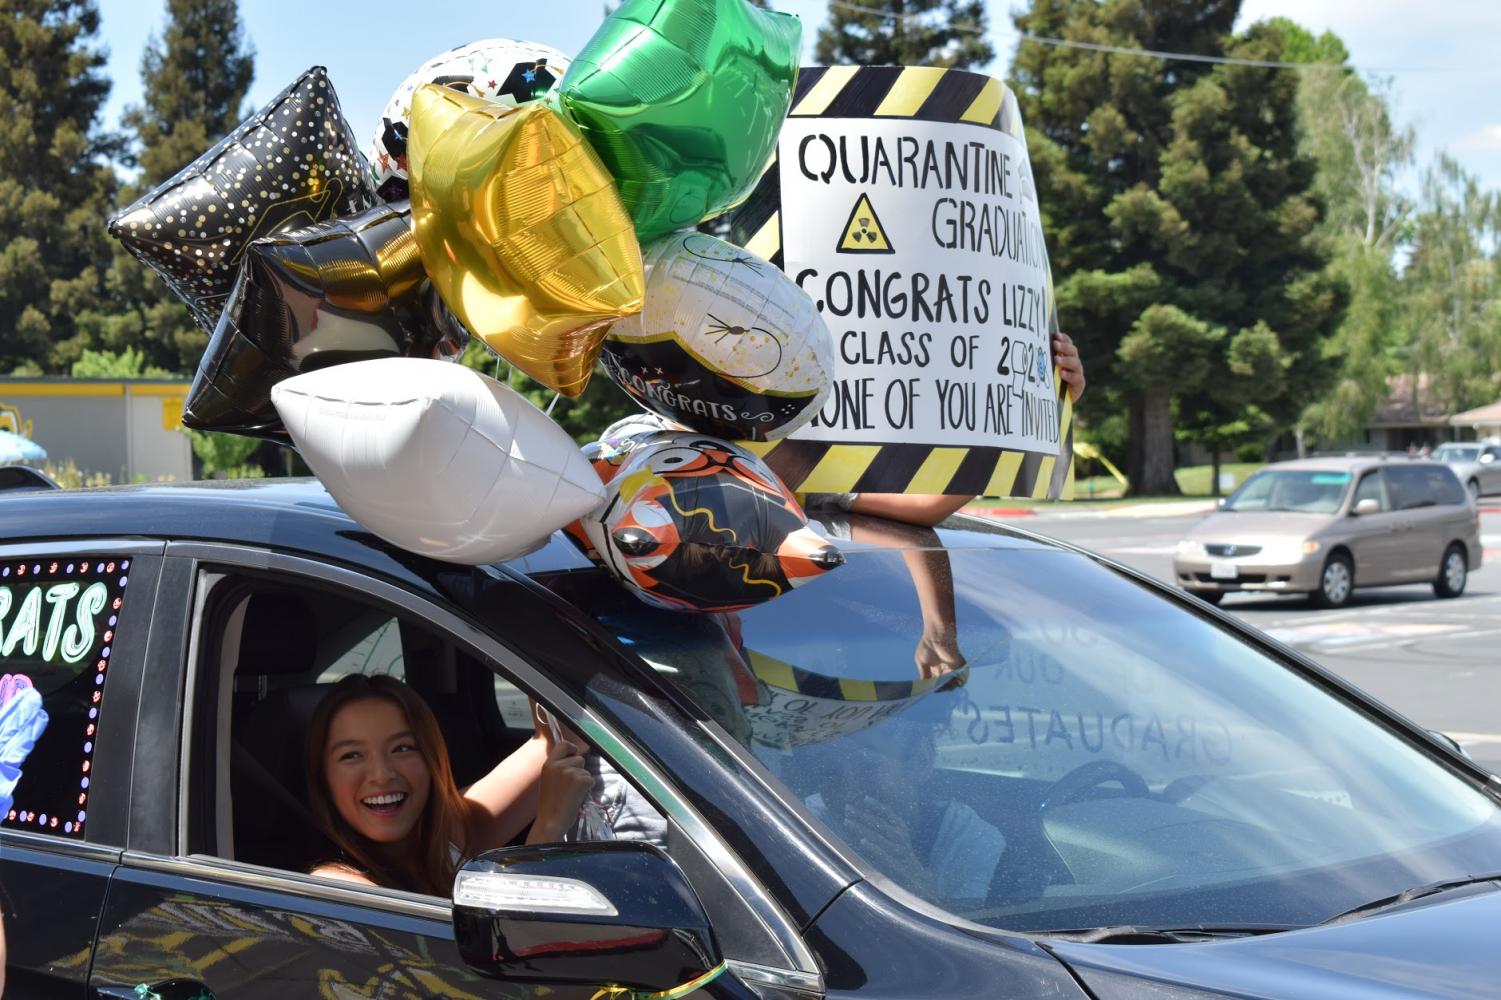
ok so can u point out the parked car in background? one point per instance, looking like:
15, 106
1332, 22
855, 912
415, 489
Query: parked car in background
24, 478
1477, 464
1325, 526
1114, 792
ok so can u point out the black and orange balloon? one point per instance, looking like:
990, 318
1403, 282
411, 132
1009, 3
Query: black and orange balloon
291, 164
350, 289
693, 523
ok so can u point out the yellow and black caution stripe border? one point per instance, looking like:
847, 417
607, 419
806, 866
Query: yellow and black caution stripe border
923, 93
780, 674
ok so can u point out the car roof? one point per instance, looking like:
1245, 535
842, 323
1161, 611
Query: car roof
299, 515
1340, 463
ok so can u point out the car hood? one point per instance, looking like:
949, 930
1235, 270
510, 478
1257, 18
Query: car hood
1234, 527
1442, 949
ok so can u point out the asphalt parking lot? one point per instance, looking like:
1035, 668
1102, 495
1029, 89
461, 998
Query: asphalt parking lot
1438, 662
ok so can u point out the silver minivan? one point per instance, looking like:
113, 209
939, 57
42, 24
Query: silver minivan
1324, 526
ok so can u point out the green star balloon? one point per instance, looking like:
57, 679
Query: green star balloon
683, 100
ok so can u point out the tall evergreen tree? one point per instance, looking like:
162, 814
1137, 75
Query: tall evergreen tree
1350, 131
195, 77
1180, 221
949, 33
55, 189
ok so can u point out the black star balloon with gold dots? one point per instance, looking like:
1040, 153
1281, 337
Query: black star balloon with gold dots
292, 164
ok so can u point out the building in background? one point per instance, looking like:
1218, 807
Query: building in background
1485, 421
127, 430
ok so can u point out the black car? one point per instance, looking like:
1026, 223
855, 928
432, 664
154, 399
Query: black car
970, 762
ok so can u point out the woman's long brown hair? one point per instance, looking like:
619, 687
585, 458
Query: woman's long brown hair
425, 865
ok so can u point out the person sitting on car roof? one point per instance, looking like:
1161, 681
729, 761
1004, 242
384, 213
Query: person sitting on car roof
381, 788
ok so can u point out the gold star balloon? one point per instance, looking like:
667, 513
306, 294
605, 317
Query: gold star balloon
522, 232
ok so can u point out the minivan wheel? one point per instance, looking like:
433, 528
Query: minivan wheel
1453, 572
1473, 486
1209, 596
1336, 581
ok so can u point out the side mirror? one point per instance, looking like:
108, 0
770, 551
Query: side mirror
1487, 458
608, 914
1370, 505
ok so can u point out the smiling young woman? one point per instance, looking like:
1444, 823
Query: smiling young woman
381, 787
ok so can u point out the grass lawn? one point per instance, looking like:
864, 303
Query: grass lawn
1193, 480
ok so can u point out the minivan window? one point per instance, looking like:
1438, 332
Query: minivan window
1457, 453
1371, 487
1423, 485
1034, 742
58, 617
1312, 491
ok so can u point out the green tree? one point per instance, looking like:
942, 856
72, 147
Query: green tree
1450, 290
1350, 131
107, 364
195, 76
55, 189
1180, 219
949, 33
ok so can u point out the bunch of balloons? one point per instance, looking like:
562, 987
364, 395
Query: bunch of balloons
544, 205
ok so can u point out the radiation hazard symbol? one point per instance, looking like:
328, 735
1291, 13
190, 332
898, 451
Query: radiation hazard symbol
863, 232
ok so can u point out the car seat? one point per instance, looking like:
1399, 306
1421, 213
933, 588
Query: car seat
277, 666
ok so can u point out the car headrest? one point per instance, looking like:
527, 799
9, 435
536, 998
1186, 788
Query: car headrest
280, 636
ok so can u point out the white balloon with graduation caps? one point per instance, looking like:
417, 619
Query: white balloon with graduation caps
497, 69
726, 343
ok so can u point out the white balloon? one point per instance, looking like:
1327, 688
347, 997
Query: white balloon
498, 69
436, 458
725, 344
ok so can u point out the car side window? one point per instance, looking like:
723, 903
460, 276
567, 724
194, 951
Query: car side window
279, 648
1423, 485
1371, 487
57, 629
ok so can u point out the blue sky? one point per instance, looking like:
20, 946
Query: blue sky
1444, 51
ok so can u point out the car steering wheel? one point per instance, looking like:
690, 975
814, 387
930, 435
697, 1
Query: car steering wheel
1091, 775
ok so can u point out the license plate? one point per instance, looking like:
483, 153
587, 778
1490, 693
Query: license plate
1223, 571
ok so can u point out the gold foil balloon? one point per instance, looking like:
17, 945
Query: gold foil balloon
683, 100
349, 289
522, 231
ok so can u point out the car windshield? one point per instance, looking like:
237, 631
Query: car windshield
1033, 741
1457, 453
1313, 491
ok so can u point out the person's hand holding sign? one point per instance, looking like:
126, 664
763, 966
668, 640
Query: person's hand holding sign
1070, 368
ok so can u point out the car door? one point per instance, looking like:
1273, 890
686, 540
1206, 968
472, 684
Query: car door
1490, 470
214, 904
1373, 539
74, 619
1416, 490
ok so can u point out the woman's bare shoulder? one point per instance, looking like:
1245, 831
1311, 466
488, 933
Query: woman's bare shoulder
341, 872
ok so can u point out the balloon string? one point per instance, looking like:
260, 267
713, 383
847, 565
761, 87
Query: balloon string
676, 993
555, 397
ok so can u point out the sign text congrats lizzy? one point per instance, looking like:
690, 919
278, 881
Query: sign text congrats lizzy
921, 244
